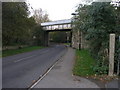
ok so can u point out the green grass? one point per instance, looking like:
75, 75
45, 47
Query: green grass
17, 51
66, 43
83, 64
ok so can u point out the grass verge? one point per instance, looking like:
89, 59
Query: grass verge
66, 43
17, 51
83, 64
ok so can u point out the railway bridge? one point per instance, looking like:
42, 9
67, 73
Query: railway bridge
53, 26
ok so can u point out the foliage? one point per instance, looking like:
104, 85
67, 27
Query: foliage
38, 35
15, 23
39, 16
97, 21
18, 27
100, 69
117, 49
58, 37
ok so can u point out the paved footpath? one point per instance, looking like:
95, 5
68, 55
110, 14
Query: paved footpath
61, 75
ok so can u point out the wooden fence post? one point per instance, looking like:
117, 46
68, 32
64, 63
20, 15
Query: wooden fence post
111, 54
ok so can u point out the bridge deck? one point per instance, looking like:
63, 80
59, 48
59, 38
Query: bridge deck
57, 25
59, 22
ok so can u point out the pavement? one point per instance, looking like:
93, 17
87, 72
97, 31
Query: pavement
61, 75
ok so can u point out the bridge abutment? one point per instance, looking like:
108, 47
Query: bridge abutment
46, 38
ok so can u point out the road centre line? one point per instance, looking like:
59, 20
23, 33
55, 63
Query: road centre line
29, 57
24, 58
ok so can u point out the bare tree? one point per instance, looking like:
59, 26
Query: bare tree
40, 16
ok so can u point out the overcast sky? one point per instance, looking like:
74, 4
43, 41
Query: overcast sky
57, 9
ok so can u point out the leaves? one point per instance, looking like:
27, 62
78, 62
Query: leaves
97, 21
59, 37
17, 25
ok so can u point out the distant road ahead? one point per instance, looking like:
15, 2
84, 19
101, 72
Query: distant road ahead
20, 71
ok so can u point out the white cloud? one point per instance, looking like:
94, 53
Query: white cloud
57, 9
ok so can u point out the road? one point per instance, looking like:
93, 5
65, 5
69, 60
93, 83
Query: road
20, 71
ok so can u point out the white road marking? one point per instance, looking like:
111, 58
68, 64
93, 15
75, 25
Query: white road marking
24, 58
29, 57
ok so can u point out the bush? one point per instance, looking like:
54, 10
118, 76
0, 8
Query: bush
100, 69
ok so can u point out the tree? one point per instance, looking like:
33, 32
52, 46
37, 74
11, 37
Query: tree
38, 35
117, 49
56, 37
16, 24
40, 16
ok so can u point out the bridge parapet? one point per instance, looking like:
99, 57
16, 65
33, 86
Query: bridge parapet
57, 25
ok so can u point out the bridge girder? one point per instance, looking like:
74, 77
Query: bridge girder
57, 25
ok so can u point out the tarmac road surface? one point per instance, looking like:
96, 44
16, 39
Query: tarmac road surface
21, 70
